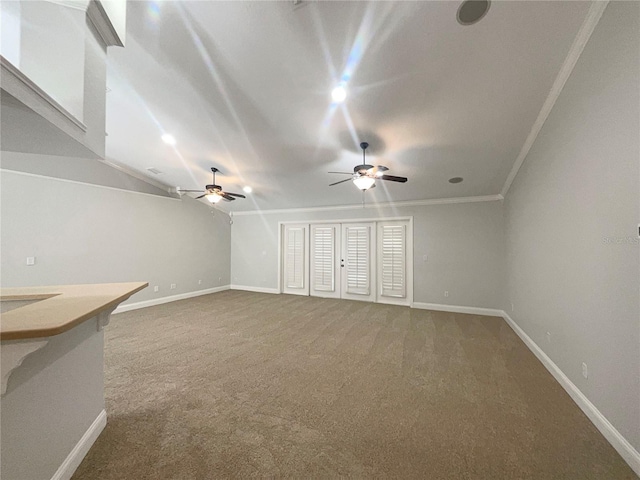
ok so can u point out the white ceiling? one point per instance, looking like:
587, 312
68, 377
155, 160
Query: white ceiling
245, 87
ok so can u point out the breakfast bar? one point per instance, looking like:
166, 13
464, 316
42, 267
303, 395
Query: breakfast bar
52, 363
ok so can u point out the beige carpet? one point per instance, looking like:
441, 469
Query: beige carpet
238, 385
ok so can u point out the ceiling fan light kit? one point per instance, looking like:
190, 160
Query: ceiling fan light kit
364, 183
213, 197
364, 176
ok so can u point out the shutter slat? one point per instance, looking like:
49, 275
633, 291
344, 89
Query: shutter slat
393, 261
323, 238
358, 260
294, 276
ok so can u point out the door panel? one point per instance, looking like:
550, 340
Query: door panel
358, 261
392, 262
296, 259
325, 261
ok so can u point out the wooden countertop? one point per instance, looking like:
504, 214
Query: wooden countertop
60, 308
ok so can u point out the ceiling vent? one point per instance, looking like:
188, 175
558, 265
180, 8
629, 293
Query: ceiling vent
455, 180
154, 170
472, 11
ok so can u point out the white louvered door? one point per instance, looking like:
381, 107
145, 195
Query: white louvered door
325, 261
296, 259
358, 261
392, 262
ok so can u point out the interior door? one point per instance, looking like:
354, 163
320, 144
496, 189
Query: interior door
393, 274
358, 261
325, 260
296, 259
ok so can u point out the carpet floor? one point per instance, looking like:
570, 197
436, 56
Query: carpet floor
239, 385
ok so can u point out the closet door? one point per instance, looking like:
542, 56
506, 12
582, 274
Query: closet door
296, 259
358, 261
392, 262
325, 261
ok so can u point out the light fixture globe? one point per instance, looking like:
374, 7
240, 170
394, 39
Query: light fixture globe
364, 182
214, 197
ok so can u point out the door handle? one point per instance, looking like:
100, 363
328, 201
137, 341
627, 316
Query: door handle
342, 262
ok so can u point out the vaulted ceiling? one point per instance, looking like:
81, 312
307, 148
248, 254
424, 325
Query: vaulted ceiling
246, 87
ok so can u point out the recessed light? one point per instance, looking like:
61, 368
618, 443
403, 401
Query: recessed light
472, 11
455, 180
168, 139
247, 189
338, 94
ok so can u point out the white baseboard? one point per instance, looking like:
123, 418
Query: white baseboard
75, 457
171, 298
615, 438
247, 288
490, 312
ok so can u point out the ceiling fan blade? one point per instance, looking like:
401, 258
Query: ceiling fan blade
341, 181
343, 173
393, 178
235, 194
190, 191
226, 196
201, 196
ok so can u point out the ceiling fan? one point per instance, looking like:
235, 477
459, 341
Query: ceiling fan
214, 192
364, 176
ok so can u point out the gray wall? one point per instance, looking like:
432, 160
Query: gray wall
464, 244
82, 233
573, 256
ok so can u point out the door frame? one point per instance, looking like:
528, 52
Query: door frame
409, 218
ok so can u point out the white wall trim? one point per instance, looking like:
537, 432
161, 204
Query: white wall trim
409, 203
615, 438
248, 288
102, 23
77, 454
169, 299
140, 176
4, 171
588, 26
26, 91
490, 312
408, 218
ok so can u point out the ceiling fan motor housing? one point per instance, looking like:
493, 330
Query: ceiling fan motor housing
362, 169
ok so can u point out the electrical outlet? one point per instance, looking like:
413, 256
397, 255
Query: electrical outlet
31, 261
446, 293
425, 258
548, 337
585, 370
173, 286
156, 288
199, 282
219, 279
512, 307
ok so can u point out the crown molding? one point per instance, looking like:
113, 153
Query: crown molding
588, 26
409, 203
